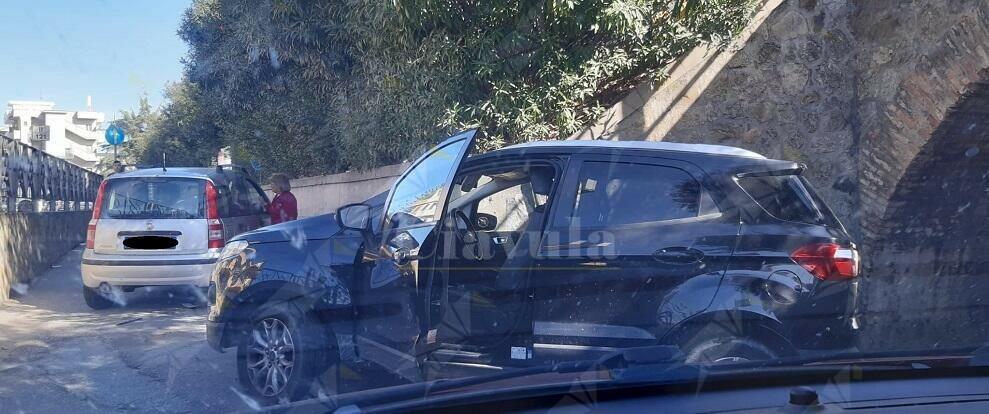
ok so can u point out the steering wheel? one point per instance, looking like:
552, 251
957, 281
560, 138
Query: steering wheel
464, 228
466, 236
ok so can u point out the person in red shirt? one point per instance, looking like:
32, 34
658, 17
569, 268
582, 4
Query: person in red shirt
283, 207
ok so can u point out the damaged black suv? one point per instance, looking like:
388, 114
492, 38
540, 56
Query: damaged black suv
535, 254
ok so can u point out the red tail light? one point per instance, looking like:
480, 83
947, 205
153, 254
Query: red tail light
91, 234
97, 210
215, 229
828, 261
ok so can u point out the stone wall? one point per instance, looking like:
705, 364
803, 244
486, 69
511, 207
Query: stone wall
789, 95
783, 89
30, 242
853, 89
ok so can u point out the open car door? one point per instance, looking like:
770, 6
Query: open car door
393, 299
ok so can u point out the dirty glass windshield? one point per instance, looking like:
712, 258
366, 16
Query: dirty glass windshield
306, 205
154, 198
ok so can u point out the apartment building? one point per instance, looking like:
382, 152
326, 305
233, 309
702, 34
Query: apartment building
71, 135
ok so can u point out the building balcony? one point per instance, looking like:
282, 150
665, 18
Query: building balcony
89, 115
81, 133
80, 156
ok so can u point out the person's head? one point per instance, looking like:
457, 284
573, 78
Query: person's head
118, 166
280, 183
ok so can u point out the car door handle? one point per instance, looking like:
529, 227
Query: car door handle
678, 255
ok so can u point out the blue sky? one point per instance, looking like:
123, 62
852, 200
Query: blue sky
114, 50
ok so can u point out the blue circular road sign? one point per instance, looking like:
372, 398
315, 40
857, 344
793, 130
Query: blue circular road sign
114, 135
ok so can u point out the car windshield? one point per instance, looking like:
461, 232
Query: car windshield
234, 205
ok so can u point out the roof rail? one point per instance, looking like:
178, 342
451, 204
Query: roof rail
221, 167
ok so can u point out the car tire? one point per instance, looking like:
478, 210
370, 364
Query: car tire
95, 299
282, 353
720, 349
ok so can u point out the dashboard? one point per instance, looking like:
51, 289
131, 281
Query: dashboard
910, 389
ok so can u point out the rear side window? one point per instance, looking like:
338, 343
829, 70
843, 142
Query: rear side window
154, 198
611, 194
787, 197
238, 196
243, 197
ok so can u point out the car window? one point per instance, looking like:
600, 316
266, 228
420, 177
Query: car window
257, 202
509, 208
242, 198
154, 198
417, 196
610, 194
786, 197
222, 198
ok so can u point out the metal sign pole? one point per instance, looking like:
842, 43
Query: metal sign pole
114, 136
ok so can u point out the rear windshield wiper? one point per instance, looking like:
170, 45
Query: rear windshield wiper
796, 169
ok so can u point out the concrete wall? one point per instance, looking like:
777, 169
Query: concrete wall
323, 194
30, 242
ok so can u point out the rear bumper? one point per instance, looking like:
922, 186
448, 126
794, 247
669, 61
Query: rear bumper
134, 263
158, 271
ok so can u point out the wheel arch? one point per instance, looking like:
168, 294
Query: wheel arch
763, 328
258, 294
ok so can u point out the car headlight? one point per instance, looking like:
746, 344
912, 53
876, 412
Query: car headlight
233, 249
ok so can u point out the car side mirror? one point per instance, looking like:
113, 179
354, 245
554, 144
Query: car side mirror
355, 216
485, 222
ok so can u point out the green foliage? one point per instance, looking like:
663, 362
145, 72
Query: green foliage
186, 133
182, 131
310, 87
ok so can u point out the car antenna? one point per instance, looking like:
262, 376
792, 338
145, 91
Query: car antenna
163, 161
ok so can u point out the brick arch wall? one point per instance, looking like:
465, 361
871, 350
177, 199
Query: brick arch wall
921, 83
928, 280
916, 61
947, 182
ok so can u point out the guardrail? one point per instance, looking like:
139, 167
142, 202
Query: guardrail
34, 181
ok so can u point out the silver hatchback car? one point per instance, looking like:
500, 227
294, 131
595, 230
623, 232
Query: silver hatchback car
161, 227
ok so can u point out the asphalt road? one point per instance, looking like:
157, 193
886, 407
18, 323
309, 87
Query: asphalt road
58, 355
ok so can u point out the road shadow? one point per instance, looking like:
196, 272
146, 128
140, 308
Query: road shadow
159, 298
149, 355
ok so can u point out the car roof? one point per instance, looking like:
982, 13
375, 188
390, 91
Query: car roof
711, 158
172, 172
642, 145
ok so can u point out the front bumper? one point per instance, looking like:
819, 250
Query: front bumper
215, 335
